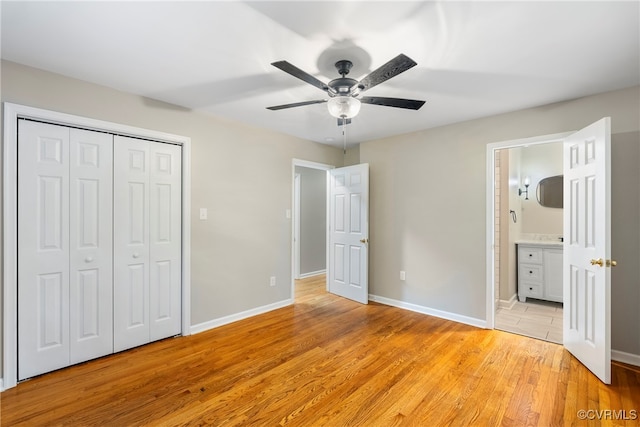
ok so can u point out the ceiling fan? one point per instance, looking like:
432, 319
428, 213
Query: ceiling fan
344, 92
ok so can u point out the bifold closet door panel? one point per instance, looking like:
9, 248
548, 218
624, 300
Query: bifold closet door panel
91, 247
147, 241
43, 248
131, 242
165, 220
64, 247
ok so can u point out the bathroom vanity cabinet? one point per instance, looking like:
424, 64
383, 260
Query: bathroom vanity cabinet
539, 271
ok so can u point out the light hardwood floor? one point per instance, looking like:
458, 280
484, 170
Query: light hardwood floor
330, 361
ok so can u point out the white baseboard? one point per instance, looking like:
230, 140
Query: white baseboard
480, 323
1, 385
205, 326
621, 356
508, 304
313, 273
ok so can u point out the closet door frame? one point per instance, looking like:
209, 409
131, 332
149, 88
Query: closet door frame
13, 112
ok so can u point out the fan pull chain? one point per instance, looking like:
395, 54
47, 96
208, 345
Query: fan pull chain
344, 135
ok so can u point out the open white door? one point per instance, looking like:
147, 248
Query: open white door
587, 247
349, 232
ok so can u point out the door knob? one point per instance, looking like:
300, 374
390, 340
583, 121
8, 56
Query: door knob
611, 263
136, 255
88, 259
364, 240
598, 261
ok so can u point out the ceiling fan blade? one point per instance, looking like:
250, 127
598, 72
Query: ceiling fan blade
302, 75
397, 65
409, 104
296, 104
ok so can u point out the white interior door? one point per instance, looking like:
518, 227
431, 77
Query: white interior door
587, 248
165, 257
349, 232
43, 248
130, 243
91, 237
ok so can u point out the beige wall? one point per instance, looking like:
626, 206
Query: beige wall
625, 241
508, 228
515, 228
240, 173
428, 207
539, 162
352, 156
428, 197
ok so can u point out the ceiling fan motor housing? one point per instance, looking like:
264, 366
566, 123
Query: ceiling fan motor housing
343, 85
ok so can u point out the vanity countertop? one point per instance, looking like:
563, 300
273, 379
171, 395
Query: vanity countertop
547, 243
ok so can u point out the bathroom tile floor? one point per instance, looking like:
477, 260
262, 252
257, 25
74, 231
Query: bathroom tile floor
534, 318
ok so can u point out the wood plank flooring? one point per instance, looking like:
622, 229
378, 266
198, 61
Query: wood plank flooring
329, 361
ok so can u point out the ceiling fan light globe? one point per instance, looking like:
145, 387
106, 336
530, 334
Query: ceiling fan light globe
343, 107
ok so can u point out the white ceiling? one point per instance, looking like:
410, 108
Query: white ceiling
475, 58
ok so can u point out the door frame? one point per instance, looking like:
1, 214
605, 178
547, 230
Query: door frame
310, 165
296, 225
490, 212
12, 112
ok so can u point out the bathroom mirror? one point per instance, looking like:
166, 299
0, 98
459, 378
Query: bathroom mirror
550, 191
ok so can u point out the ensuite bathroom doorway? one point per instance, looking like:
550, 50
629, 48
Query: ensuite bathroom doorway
528, 242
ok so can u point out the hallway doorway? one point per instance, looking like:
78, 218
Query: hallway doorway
309, 220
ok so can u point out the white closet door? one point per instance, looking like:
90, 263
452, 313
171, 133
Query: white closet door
43, 248
131, 242
91, 284
165, 182
147, 241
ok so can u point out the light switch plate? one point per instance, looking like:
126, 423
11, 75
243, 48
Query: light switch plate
203, 213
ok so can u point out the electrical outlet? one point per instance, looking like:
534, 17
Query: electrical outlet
403, 276
272, 281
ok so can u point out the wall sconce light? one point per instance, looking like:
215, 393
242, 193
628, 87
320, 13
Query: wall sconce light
526, 189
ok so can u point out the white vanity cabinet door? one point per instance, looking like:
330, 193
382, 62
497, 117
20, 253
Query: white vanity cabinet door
553, 274
539, 272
